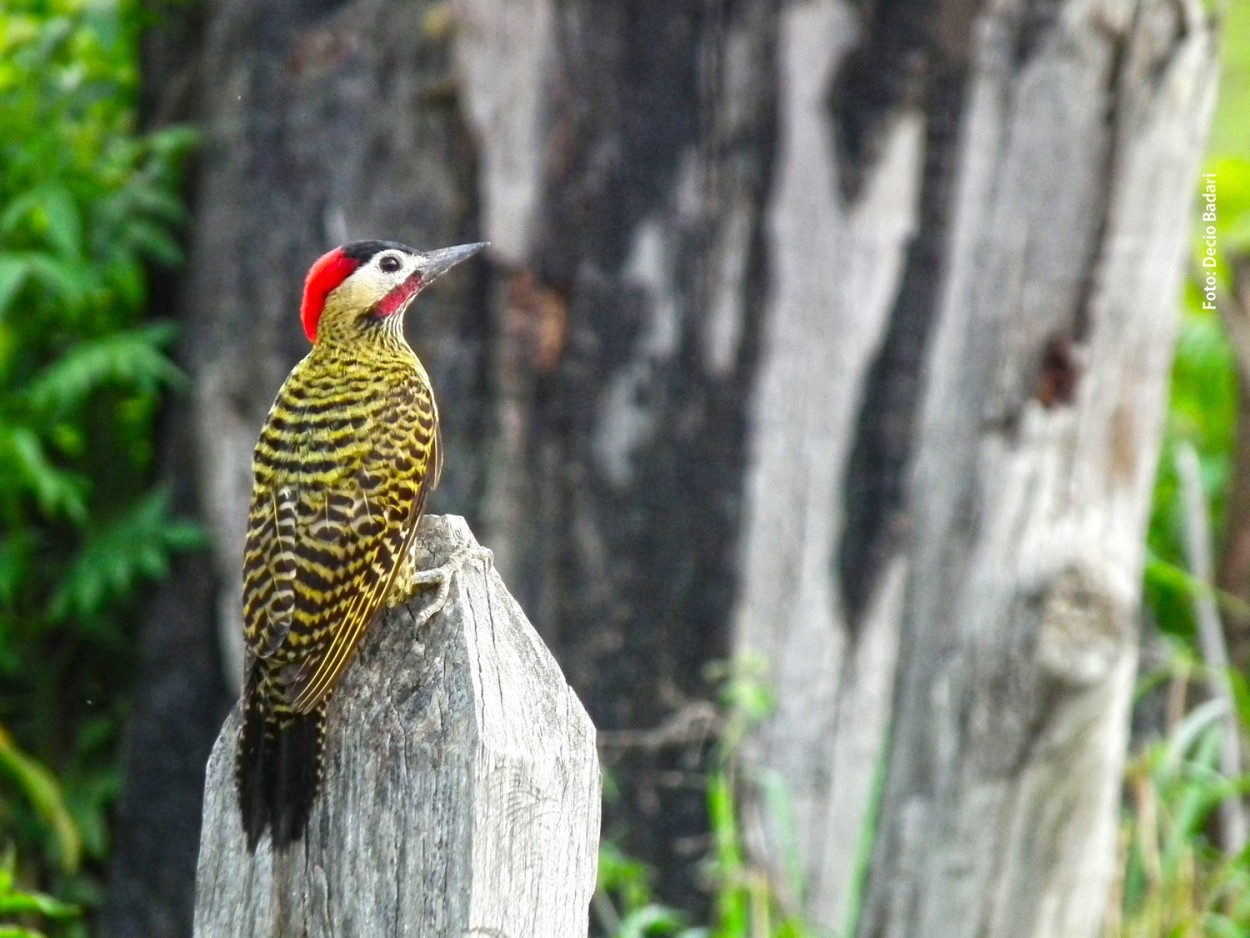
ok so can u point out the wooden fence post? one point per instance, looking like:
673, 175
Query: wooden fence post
461, 792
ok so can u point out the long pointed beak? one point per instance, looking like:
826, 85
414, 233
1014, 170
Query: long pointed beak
436, 263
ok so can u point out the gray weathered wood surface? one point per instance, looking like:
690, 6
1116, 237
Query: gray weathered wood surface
976, 232
461, 793
1037, 442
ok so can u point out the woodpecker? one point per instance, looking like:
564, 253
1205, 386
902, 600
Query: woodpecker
341, 471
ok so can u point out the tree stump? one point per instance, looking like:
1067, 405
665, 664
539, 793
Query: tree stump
461, 790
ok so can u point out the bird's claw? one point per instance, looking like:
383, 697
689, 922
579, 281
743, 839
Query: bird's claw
441, 576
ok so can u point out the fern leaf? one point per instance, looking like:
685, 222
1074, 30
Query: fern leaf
131, 359
116, 557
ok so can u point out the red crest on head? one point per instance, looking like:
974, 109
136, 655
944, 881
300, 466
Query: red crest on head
328, 272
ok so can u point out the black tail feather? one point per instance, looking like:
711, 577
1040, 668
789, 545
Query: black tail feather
278, 767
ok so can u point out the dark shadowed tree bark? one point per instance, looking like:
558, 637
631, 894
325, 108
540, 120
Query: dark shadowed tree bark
834, 333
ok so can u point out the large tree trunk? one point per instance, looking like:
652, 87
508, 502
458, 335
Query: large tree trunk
808, 329
624, 153
978, 223
1034, 461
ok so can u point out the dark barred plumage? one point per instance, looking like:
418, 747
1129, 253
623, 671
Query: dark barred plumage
341, 471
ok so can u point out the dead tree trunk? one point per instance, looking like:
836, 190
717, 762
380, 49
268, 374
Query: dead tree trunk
981, 214
978, 221
461, 792
1035, 452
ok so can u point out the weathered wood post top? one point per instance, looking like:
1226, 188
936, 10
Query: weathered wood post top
461, 794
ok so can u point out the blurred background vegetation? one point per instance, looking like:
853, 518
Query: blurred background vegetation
90, 205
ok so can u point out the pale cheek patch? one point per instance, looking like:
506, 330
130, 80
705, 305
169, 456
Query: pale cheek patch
361, 289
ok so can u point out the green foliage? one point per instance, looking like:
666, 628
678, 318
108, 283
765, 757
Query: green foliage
87, 204
22, 905
1172, 879
1229, 132
1202, 412
624, 905
43, 793
1203, 406
746, 902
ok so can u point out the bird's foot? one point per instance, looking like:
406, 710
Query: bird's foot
440, 577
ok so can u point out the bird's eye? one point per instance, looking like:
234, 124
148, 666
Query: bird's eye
389, 263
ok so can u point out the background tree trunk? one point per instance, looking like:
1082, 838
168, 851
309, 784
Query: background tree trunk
1035, 456
808, 329
980, 428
